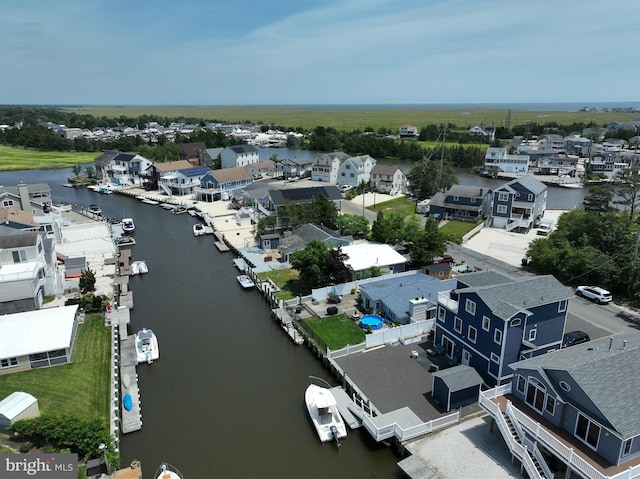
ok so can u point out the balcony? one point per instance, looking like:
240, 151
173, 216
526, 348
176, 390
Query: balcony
448, 300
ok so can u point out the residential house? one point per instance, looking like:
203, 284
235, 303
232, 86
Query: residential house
577, 145
222, 184
123, 169
551, 142
38, 338
498, 160
519, 204
275, 200
300, 237
574, 412
467, 203
102, 163
355, 170
364, 256
211, 157
489, 320
239, 155
326, 165
486, 132
558, 165
388, 179
70, 133
294, 168
408, 131
261, 169
34, 198
183, 181
403, 299
23, 270
17, 219
192, 152
151, 179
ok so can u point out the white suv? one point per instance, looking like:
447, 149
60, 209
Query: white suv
594, 293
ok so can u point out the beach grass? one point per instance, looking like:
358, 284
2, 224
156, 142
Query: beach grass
337, 331
350, 118
23, 159
82, 387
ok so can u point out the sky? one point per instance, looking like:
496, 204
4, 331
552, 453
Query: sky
318, 52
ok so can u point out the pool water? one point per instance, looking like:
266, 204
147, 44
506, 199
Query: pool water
372, 321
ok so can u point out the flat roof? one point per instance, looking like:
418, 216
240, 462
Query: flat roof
366, 255
36, 331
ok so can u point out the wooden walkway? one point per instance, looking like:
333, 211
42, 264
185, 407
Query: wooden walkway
344, 401
131, 420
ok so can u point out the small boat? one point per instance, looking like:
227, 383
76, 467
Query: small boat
167, 471
323, 410
150, 202
146, 346
178, 210
245, 281
127, 402
139, 267
125, 241
570, 185
167, 206
128, 226
95, 209
198, 229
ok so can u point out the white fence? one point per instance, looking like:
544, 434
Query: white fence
345, 288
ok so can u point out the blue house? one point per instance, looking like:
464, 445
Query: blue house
223, 184
183, 181
577, 406
519, 205
489, 320
466, 203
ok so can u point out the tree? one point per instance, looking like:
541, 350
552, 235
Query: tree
628, 188
354, 225
429, 243
87, 281
311, 262
429, 176
388, 228
265, 225
90, 171
324, 212
599, 199
337, 270
76, 169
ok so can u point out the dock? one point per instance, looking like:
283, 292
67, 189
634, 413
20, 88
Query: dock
345, 407
131, 420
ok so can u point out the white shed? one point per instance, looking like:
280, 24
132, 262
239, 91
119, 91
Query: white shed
16, 406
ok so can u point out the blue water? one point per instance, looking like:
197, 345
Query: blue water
371, 320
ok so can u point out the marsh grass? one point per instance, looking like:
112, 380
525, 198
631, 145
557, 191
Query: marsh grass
23, 159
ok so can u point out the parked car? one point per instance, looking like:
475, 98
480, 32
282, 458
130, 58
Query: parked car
445, 258
574, 337
546, 226
594, 293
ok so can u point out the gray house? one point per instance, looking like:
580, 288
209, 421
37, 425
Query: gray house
519, 205
466, 203
305, 234
575, 409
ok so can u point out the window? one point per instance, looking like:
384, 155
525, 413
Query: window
550, 406
522, 382
530, 197
486, 323
516, 322
441, 314
562, 306
503, 196
473, 334
587, 431
473, 200
8, 363
7, 203
497, 336
495, 358
564, 385
470, 307
457, 325
19, 256
501, 209
626, 447
456, 198
532, 334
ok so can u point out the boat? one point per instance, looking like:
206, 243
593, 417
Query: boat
139, 267
167, 206
125, 241
178, 210
128, 226
146, 346
198, 229
570, 185
245, 281
323, 410
127, 402
167, 471
150, 202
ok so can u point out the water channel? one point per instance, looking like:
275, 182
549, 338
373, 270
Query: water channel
226, 397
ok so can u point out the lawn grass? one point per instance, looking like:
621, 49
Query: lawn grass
81, 387
288, 281
22, 159
357, 117
337, 331
456, 229
403, 206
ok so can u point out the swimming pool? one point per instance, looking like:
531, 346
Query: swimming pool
372, 321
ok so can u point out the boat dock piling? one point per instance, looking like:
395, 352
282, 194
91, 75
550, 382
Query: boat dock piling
132, 419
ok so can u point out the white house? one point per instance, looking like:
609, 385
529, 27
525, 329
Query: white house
363, 256
121, 169
355, 170
499, 161
239, 155
388, 179
16, 406
183, 181
326, 165
408, 131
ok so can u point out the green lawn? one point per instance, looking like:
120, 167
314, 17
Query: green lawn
82, 387
337, 331
401, 205
456, 229
288, 282
21, 159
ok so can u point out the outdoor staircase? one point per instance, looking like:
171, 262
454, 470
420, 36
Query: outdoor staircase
165, 188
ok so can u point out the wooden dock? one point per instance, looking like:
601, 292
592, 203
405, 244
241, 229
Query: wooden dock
221, 247
131, 420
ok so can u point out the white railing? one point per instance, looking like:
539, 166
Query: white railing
542, 462
380, 433
445, 299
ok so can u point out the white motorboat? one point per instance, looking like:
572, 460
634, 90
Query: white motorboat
139, 267
146, 346
167, 471
323, 409
128, 226
245, 281
198, 229
178, 210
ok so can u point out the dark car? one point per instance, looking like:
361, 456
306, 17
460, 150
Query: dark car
574, 337
445, 258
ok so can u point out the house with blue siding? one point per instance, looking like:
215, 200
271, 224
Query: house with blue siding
575, 409
222, 184
489, 320
466, 203
519, 205
183, 181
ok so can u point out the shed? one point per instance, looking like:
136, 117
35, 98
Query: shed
18, 405
73, 267
456, 387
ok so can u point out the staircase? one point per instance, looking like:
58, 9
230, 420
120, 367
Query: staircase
165, 188
533, 457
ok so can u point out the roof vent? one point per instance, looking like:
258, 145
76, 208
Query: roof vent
610, 343
624, 344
